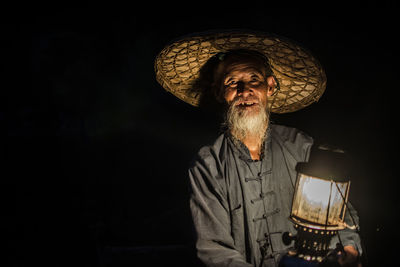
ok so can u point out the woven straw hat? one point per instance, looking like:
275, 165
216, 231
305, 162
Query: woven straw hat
301, 78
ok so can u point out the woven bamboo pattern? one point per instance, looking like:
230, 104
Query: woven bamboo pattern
301, 77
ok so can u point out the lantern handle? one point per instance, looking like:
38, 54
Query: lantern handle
351, 227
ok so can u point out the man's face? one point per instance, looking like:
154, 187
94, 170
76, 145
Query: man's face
245, 85
245, 88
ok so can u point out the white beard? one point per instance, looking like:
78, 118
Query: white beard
247, 123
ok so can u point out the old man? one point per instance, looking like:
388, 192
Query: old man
242, 185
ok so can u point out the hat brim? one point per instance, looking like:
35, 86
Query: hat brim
301, 77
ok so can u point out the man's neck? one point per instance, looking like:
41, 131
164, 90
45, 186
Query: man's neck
253, 142
254, 145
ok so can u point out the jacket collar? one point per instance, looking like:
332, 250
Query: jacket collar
240, 148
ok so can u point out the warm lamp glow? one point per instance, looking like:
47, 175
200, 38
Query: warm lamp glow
318, 203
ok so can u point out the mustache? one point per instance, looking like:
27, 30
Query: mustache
241, 100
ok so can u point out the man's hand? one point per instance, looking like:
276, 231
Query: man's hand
349, 258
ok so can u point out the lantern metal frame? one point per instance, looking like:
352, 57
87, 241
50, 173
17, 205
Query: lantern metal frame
312, 242
319, 226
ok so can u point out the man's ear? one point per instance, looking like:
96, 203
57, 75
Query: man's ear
271, 84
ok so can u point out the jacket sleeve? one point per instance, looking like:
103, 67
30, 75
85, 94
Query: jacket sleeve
211, 217
349, 237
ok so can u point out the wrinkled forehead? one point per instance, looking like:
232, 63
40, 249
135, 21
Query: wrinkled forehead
235, 68
243, 62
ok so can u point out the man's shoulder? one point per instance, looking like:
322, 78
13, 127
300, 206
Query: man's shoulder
210, 153
212, 149
292, 141
284, 133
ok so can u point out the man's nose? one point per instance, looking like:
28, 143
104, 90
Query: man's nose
244, 89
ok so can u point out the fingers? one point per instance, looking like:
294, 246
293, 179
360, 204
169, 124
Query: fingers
349, 257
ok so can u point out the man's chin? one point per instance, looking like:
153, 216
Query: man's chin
249, 112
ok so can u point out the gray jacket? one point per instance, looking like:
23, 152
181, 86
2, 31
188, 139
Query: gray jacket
240, 207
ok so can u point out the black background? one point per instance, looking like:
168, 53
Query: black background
96, 152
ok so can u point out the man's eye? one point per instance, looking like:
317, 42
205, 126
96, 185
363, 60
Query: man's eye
232, 83
255, 79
